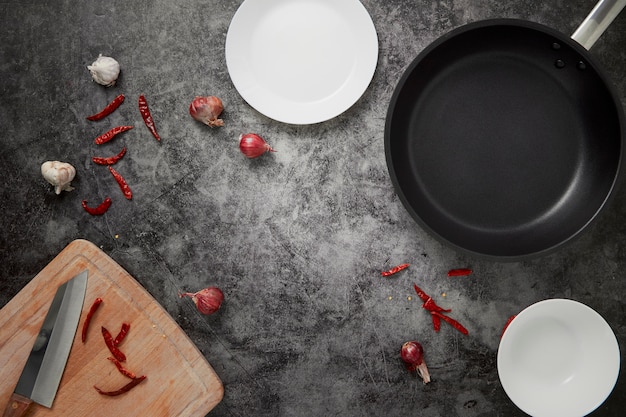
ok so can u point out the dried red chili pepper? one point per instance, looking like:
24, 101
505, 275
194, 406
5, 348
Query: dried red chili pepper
460, 272
105, 137
451, 321
436, 321
122, 334
125, 388
506, 325
122, 183
147, 117
110, 108
90, 314
120, 367
394, 270
437, 312
429, 304
97, 211
108, 340
109, 160
421, 294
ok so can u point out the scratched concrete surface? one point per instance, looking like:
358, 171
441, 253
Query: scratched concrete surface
296, 239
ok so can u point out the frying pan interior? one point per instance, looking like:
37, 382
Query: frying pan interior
504, 139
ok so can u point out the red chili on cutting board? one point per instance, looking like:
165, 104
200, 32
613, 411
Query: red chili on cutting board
108, 340
122, 334
90, 314
136, 381
120, 367
110, 108
118, 357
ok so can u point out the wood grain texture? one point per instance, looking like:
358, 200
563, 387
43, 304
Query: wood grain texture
17, 406
180, 382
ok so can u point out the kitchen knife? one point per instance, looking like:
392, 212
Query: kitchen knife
44, 368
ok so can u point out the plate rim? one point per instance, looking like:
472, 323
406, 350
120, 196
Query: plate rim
310, 114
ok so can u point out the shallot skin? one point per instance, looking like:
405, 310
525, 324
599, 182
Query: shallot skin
207, 110
208, 300
253, 145
412, 354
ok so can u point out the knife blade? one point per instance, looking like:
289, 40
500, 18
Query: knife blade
45, 365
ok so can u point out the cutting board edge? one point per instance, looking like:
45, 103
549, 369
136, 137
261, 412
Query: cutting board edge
71, 256
86, 244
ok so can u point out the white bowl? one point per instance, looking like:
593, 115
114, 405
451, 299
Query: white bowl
558, 358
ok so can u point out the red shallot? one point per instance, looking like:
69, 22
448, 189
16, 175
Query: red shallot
253, 145
412, 354
208, 300
207, 110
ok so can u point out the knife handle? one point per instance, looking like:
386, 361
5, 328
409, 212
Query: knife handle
17, 406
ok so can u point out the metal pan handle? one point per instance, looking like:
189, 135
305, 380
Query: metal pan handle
597, 21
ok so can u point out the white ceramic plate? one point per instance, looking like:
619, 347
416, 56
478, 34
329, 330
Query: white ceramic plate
301, 61
558, 358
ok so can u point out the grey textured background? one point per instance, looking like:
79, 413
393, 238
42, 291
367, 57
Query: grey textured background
296, 239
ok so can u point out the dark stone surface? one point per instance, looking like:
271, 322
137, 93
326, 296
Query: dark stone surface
295, 239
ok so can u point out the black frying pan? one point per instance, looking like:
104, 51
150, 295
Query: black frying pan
504, 139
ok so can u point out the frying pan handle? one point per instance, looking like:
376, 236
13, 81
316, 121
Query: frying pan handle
597, 21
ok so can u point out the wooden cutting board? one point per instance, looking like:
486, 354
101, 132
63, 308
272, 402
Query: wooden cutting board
180, 382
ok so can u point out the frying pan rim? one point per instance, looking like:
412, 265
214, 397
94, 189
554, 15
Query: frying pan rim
590, 61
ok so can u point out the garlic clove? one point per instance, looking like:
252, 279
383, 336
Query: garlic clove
104, 70
59, 174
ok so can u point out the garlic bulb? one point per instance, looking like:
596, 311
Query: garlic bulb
104, 70
59, 174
